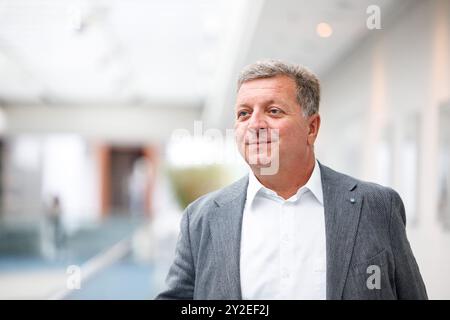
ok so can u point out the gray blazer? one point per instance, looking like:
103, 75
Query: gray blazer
364, 225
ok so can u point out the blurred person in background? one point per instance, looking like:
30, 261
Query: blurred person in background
138, 186
56, 232
301, 231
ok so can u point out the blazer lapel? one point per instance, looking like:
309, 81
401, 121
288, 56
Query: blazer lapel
342, 206
226, 225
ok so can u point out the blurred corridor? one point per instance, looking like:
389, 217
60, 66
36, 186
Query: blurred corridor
114, 115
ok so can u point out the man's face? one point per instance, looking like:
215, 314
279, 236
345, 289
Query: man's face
269, 120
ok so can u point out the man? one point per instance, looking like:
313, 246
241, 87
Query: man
294, 228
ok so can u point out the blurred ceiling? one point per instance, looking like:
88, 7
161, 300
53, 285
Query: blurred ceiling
286, 30
64, 52
163, 53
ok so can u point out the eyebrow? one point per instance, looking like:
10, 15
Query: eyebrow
244, 105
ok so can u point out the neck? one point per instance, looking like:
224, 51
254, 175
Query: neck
284, 183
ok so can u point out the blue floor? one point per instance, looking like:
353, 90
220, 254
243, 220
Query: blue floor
125, 279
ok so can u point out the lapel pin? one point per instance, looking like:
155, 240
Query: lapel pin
352, 200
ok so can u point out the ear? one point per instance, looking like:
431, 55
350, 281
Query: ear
313, 126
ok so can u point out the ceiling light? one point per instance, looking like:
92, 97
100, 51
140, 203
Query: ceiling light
324, 30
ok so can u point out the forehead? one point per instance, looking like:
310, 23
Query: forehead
274, 89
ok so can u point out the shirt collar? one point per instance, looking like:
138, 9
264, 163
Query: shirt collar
314, 184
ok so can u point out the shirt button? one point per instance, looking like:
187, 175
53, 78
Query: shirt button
285, 238
285, 274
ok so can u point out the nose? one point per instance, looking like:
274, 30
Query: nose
257, 122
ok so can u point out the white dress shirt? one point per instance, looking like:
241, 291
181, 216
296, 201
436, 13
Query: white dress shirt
283, 246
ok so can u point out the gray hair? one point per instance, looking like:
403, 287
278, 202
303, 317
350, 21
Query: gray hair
308, 85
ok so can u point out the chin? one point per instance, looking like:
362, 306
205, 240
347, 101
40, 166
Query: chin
261, 161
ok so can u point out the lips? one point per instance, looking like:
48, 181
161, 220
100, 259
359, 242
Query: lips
250, 141
257, 143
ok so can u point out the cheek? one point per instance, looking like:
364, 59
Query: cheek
239, 133
239, 129
293, 134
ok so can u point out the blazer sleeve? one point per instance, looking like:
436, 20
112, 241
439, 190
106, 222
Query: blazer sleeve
181, 277
408, 281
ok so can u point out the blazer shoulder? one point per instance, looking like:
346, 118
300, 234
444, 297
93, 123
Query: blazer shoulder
369, 190
376, 189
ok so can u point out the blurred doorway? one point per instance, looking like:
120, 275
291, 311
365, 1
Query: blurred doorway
127, 180
121, 170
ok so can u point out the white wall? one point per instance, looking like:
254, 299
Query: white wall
380, 116
68, 171
121, 123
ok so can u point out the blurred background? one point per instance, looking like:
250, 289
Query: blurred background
114, 115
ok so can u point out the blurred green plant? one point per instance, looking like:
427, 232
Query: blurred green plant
193, 182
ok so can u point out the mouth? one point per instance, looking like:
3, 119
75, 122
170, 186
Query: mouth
257, 143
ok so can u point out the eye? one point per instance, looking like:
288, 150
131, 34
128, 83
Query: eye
274, 111
242, 114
